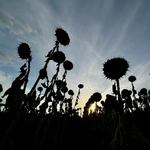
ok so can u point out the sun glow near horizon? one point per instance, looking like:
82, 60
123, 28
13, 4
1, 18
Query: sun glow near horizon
92, 108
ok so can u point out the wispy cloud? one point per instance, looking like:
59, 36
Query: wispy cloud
7, 57
16, 25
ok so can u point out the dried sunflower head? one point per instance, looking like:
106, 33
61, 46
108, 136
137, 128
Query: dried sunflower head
24, 51
70, 92
96, 96
125, 93
40, 89
43, 73
80, 86
59, 57
62, 36
115, 68
143, 91
132, 78
68, 65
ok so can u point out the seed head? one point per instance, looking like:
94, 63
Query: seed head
62, 36
125, 93
115, 68
80, 86
43, 73
24, 51
40, 89
132, 78
59, 57
96, 97
143, 91
70, 92
68, 65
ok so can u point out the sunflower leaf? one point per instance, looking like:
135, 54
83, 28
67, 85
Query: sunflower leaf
44, 85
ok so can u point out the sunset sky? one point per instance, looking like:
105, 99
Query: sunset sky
98, 30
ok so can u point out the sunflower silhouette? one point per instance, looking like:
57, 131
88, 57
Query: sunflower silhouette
132, 78
68, 65
115, 68
62, 36
24, 51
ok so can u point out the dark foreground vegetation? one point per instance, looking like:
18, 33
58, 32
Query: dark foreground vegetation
46, 118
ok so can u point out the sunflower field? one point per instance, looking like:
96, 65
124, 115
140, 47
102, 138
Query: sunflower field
45, 119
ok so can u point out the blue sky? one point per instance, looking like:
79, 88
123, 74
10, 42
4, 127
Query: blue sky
98, 30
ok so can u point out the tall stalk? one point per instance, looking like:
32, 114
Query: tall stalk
121, 116
45, 66
25, 85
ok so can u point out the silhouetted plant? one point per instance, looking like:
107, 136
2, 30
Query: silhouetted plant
111, 107
46, 119
126, 95
96, 97
114, 69
143, 99
80, 86
59, 57
132, 79
114, 89
68, 65
62, 38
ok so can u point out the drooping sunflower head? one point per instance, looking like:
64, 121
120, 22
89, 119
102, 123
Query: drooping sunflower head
80, 86
40, 89
68, 65
96, 96
143, 91
62, 36
70, 92
115, 68
24, 51
125, 93
59, 57
132, 78
43, 73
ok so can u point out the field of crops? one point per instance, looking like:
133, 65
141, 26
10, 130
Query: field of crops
45, 119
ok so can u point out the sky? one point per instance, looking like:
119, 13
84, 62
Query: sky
98, 30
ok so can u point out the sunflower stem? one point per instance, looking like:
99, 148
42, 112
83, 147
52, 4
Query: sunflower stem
119, 96
25, 85
53, 81
38, 79
121, 115
77, 98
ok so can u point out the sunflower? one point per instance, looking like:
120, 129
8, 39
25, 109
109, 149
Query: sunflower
80, 86
70, 92
125, 93
24, 51
62, 36
40, 89
115, 68
96, 96
67, 65
43, 73
59, 57
132, 78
